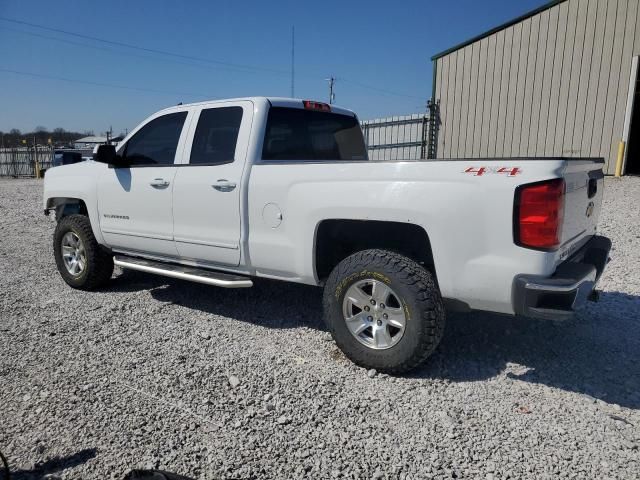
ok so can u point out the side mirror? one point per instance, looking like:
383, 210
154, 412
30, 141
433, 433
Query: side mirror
107, 154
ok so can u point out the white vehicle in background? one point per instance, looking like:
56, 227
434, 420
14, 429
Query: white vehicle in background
226, 191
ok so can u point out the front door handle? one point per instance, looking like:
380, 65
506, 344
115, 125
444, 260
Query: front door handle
224, 185
159, 182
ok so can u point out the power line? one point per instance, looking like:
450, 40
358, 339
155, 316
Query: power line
145, 49
119, 52
100, 84
379, 90
241, 67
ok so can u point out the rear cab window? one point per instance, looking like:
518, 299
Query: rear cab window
309, 135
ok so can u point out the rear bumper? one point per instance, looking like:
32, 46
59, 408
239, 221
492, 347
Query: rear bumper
557, 297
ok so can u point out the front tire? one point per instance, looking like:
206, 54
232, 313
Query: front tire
384, 311
82, 263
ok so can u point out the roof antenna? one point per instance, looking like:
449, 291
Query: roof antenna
293, 52
180, 103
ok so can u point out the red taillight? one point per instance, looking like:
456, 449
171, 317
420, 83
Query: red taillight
311, 105
539, 210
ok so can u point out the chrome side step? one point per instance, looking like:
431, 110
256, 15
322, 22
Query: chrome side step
193, 274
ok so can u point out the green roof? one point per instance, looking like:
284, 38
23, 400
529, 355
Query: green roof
519, 19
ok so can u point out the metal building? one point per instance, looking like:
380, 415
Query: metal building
560, 80
87, 143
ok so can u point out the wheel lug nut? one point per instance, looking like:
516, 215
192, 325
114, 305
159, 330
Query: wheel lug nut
385, 316
366, 308
382, 305
373, 302
379, 322
370, 318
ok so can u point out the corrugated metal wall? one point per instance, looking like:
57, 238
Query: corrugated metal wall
554, 84
396, 138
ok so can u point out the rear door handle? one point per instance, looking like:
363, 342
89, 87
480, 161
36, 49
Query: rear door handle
159, 182
224, 185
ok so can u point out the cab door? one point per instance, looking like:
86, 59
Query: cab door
208, 186
135, 202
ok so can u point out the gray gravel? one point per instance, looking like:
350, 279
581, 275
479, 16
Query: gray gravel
213, 383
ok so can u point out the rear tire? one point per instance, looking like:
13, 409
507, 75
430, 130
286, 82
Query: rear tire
415, 317
81, 261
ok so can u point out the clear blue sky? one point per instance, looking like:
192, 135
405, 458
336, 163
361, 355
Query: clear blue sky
382, 44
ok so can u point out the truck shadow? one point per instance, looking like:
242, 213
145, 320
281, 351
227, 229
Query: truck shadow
53, 465
593, 354
268, 303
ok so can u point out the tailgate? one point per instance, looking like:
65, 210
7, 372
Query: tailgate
583, 199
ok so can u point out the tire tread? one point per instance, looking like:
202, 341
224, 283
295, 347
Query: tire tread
99, 262
423, 288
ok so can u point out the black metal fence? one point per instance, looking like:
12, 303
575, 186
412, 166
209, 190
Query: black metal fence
25, 161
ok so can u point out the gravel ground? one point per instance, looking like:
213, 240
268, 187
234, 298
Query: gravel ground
215, 383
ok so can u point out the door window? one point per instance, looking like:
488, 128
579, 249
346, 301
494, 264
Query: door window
156, 143
214, 142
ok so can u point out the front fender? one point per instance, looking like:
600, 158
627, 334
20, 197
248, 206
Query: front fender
73, 183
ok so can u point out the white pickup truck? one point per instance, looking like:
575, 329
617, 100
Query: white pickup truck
225, 191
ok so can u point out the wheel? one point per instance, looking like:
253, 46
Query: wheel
384, 311
82, 263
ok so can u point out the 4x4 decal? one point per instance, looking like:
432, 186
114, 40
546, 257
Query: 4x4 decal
479, 171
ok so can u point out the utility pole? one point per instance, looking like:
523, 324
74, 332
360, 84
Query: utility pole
293, 57
332, 96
